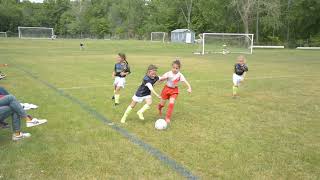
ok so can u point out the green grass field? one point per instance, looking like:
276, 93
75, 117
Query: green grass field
271, 132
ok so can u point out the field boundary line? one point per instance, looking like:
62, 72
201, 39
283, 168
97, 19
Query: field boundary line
156, 153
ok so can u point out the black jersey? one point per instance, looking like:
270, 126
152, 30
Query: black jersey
121, 67
240, 69
143, 90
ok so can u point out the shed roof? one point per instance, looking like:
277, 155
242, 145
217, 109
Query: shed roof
181, 30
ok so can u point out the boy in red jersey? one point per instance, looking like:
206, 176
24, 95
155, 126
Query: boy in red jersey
170, 91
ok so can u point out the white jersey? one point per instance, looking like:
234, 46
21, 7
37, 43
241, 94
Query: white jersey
173, 79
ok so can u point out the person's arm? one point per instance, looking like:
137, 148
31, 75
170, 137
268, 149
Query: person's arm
183, 79
164, 77
189, 86
3, 65
149, 85
126, 72
244, 76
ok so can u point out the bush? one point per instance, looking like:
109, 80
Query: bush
315, 40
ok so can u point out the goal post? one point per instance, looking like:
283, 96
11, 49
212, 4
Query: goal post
3, 35
36, 33
158, 36
225, 43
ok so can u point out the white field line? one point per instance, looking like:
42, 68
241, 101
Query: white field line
199, 80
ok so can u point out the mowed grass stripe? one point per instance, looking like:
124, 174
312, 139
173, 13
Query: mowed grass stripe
131, 137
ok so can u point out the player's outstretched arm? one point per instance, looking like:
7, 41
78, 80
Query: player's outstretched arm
244, 76
149, 85
189, 86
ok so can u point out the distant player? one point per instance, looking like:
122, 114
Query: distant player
170, 91
143, 93
81, 46
240, 69
121, 70
225, 49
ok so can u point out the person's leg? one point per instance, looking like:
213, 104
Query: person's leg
161, 105
5, 112
128, 110
170, 107
117, 95
236, 82
16, 123
145, 107
16, 127
10, 100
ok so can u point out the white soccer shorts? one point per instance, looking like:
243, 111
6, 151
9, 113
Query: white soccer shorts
236, 79
119, 81
140, 99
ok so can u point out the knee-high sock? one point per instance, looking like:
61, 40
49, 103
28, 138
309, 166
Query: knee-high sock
169, 112
144, 108
235, 89
116, 98
126, 113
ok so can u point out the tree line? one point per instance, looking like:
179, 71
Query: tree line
276, 22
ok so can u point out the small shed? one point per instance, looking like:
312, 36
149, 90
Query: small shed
182, 35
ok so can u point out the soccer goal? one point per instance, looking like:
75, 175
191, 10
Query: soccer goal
158, 36
36, 33
3, 35
225, 43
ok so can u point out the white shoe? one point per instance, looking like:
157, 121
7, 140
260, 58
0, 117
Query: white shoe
35, 122
27, 106
21, 136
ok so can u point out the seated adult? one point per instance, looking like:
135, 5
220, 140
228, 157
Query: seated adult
9, 106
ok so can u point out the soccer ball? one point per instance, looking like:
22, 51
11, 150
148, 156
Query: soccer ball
160, 124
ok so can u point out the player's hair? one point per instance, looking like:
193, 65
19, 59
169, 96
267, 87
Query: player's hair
177, 62
152, 67
124, 57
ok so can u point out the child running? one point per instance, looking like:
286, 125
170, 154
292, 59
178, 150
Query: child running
143, 93
121, 70
240, 69
170, 91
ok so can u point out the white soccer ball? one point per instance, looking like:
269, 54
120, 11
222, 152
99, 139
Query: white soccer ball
160, 124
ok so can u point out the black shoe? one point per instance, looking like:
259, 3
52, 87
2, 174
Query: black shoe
4, 125
116, 104
112, 98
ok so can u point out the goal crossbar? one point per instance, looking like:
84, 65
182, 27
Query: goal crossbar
163, 36
50, 34
249, 36
5, 34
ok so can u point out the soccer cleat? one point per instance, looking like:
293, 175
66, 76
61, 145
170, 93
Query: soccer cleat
36, 122
116, 104
112, 98
140, 114
20, 136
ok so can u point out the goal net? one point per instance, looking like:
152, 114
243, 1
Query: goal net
225, 43
3, 35
158, 36
36, 33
